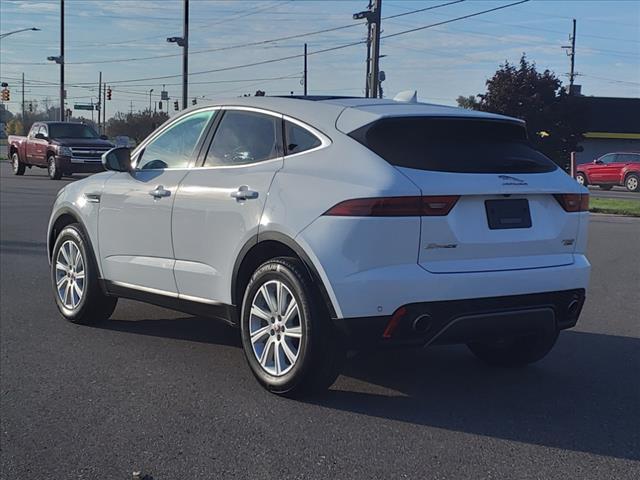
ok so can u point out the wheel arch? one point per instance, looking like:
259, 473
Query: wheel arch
65, 217
271, 245
631, 172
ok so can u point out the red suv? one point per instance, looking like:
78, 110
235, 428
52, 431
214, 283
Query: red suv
612, 169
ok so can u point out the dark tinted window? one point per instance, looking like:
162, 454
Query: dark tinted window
299, 139
71, 130
609, 158
453, 145
243, 137
629, 157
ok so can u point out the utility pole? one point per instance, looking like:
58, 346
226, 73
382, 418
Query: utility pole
104, 107
185, 54
24, 122
373, 16
305, 70
572, 55
62, 115
100, 102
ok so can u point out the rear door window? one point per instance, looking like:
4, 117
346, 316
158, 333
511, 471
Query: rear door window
244, 137
453, 145
299, 139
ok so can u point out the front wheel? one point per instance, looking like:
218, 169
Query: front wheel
287, 334
17, 166
52, 168
74, 276
632, 182
581, 179
515, 352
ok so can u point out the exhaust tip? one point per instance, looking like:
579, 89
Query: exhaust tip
421, 323
572, 308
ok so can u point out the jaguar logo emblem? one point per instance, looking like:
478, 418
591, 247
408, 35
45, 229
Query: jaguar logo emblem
507, 180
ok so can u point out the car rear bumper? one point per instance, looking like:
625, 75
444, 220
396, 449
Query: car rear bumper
465, 321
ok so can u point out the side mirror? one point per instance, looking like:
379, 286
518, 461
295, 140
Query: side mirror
597, 161
41, 136
117, 159
104, 137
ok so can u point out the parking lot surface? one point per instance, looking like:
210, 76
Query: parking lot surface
620, 193
171, 395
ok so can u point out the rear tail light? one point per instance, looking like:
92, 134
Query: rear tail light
394, 322
573, 202
395, 206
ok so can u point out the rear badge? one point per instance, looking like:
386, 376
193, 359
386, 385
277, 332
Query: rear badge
507, 180
441, 245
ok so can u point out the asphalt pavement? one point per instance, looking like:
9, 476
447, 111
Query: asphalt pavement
171, 395
620, 193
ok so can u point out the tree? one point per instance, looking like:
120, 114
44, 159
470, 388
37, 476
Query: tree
555, 122
14, 127
135, 125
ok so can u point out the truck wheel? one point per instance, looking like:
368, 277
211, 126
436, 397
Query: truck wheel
287, 335
515, 352
581, 179
52, 168
74, 277
16, 165
632, 182
606, 187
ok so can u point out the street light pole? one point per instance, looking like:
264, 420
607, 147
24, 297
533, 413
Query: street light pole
62, 115
185, 54
33, 29
150, 92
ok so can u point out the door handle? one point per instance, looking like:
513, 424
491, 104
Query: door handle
243, 193
160, 192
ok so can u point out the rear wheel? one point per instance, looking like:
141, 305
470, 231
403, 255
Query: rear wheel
581, 179
632, 182
16, 165
52, 168
606, 187
515, 352
287, 334
74, 277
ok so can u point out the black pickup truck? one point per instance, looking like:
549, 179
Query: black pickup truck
62, 148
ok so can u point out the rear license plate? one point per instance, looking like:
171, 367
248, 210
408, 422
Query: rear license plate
502, 214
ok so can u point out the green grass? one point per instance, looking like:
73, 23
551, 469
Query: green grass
615, 206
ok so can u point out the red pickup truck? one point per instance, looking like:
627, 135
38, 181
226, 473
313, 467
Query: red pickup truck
62, 148
612, 169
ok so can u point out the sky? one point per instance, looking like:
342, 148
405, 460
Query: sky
442, 62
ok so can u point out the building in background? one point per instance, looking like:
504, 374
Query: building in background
613, 125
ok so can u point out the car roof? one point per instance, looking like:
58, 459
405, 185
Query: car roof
346, 114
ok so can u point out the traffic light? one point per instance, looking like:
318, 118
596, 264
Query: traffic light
109, 93
194, 101
6, 95
159, 105
30, 107
176, 107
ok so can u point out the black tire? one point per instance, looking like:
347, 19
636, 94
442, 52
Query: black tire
17, 166
93, 305
52, 168
516, 352
632, 182
581, 179
606, 187
320, 350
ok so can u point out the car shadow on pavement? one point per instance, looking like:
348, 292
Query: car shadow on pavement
585, 396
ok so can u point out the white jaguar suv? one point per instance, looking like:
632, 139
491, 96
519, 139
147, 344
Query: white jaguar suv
322, 225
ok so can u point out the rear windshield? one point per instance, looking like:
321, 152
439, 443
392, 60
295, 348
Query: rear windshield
71, 130
453, 145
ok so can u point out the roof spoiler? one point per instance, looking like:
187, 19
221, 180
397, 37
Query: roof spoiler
407, 96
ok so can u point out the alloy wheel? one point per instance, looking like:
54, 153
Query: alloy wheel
275, 328
70, 275
632, 183
52, 168
15, 162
